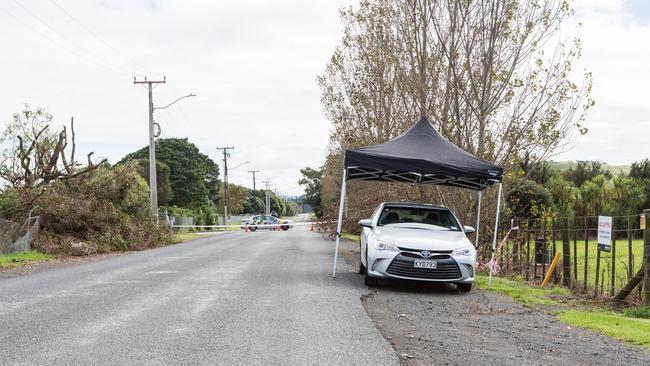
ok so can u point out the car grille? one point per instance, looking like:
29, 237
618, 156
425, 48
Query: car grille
403, 266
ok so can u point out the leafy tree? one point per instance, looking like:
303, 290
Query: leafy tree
192, 174
628, 195
311, 180
640, 171
563, 193
526, 194
584, 171
162, 179
253, 205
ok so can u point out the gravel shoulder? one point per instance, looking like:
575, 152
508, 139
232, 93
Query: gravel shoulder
431, 324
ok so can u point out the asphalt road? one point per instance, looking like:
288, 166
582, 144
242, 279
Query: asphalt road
263, 298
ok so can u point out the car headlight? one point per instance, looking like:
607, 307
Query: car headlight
385, 246
464, 252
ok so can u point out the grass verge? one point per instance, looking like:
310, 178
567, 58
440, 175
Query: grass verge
521, 291
615, 325
183, 237
629, 327
17, 259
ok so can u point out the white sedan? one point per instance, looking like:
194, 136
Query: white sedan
416, 242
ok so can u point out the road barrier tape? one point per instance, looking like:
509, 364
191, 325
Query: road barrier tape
242, 226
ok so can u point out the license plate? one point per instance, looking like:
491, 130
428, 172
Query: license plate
429, 264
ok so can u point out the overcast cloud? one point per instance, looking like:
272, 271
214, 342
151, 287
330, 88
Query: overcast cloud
254, 65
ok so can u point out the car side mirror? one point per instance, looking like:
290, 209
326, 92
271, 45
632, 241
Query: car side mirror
469, 229
366, 223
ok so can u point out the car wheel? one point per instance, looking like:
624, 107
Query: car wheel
369, 280
464, 287
285, 227
252, 228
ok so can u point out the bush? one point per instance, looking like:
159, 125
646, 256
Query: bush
109, 207
642, 312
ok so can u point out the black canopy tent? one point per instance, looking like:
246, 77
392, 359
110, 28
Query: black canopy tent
419, 156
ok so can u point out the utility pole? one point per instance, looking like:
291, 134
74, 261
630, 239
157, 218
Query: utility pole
226, 155
253, 171
153, 184
267, 202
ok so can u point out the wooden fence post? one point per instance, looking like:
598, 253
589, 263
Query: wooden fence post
646, 258
566, 254
586, 254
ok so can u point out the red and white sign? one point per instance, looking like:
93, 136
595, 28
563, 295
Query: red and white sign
605, 233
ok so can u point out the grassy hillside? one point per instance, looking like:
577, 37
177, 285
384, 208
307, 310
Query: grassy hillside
614, 169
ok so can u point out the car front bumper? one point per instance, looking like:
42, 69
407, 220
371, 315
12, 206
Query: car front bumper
454, 269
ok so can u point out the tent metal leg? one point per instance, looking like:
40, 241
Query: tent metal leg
339, 224
496, 230
478, 216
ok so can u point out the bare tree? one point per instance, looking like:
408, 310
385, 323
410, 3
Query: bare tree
495, 77
35, 156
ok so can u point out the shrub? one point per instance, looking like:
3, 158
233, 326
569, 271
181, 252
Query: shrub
642, 312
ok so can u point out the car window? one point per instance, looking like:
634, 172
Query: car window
437, 217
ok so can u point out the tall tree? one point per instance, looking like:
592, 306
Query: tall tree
493, 76
192, 174
311, 180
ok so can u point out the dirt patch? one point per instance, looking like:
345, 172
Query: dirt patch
435, 324
29, 268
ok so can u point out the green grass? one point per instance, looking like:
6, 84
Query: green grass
632, 330
183, 237
17, 259
629, 327
521, 291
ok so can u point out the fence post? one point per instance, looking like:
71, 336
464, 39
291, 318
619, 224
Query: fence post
575, 251
566, 254
630, 253
613, 275
646, 258
586, 279
553, 230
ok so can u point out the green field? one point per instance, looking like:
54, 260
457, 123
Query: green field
620, 250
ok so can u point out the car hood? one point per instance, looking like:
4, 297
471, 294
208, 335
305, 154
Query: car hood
421, 239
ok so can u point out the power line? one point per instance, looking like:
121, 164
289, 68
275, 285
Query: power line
56, 42
97, 37
63, 36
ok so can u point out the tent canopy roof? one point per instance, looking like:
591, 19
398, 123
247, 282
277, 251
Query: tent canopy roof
421, 155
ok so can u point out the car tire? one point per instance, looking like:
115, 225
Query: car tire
252, 228
362, 268
284, 227
464, 287
369, 280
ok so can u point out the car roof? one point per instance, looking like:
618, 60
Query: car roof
414, 205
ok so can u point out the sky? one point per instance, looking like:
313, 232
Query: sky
253, 66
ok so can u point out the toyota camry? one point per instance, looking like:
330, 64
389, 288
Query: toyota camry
416, 242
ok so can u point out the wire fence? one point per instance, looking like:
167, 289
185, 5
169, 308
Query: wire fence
582, 266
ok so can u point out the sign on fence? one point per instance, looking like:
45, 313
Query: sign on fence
605, 233
642, 223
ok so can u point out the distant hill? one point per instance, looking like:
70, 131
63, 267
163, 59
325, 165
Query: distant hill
614, 169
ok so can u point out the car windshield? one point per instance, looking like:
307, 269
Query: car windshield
418, 217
